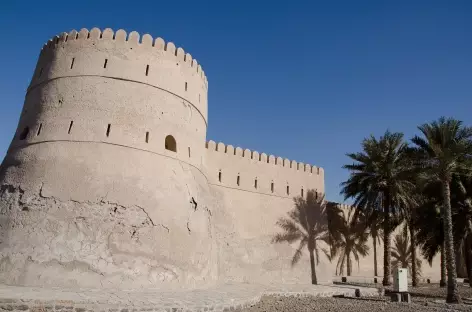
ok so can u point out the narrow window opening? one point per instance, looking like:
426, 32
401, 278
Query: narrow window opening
24, 133
198, 98
170, 143
147, 70
105, 64
255, 183
219, 176
72, 63
272, 187
302, 192
189, 152
185, 86
288, 190
70, 126
316, 195
108, 130
40, 72
39, 129
147, 136
237, 180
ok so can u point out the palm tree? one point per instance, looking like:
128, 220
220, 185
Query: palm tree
445, 150
402, 254
379, 179
306, 223
352, 240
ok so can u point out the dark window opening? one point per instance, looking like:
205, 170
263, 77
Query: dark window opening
185, 86
72, 64
272, 187
288, 190
108, 130
255, 183
219, 176
237, 180
189, 152
70, 126
147, 137
105, 64
147, 70
39, 129
302, 192
170, 143
24, 133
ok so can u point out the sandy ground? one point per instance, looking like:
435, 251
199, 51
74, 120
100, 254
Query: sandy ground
425, 298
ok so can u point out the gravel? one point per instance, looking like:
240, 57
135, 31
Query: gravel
424, 298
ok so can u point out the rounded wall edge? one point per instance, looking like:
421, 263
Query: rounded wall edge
94, 109
106, 221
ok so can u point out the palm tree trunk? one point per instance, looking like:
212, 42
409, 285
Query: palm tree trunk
348, 255
414, 275
313, 268
387, 243
442, 282
375, 255
468, 258
452, 290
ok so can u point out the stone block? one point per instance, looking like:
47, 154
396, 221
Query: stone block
406, 297
395, 297
358, 293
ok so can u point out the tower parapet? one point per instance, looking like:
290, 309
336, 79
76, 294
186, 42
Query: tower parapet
124, 56
119, 88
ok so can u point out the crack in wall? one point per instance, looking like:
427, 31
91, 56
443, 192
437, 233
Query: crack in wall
194, 203
152, 222
165, 227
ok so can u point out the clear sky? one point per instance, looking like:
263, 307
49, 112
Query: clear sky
304, 80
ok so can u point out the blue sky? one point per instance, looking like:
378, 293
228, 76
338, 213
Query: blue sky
304, 80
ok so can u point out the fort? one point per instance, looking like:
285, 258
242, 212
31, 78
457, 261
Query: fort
110, 181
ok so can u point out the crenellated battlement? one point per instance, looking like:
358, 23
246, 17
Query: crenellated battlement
127, 57
263, 158
251, 171
133, 40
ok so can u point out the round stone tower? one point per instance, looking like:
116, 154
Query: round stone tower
102, 185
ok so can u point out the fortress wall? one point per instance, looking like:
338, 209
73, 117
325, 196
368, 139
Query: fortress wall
91, 203
273, 174
365, 267
246, 215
